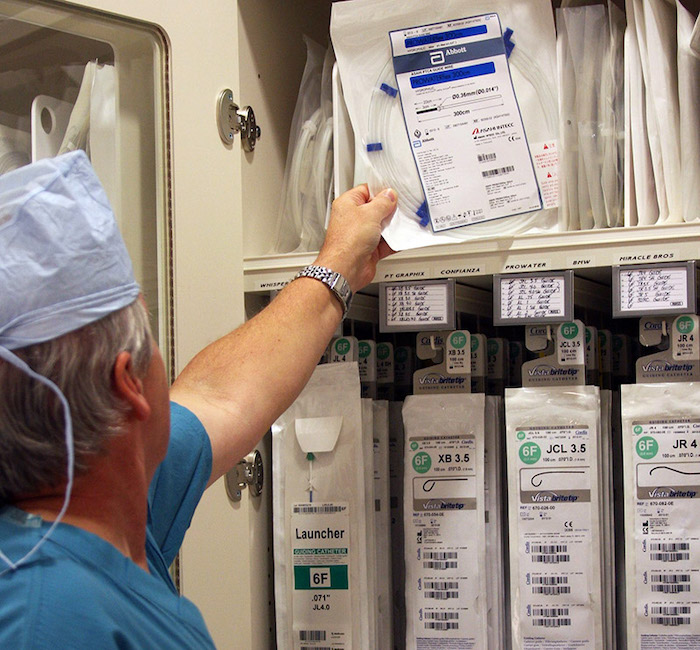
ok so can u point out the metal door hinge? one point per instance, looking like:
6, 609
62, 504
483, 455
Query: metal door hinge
248, 471
231, 120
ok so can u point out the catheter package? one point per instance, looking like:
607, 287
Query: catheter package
552, 439
661, 440
370, 520
444, 521
463, 130
319, 514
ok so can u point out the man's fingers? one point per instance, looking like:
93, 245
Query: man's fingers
383, 205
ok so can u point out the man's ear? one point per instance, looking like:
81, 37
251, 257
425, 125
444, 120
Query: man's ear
129, 387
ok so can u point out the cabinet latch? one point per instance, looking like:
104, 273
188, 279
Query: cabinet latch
248, 471
231, 120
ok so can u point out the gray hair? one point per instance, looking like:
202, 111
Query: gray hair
80, 363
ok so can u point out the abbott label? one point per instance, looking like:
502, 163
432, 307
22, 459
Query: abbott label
320, 558
461, 114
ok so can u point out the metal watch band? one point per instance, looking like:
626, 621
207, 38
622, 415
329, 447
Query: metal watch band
334, 281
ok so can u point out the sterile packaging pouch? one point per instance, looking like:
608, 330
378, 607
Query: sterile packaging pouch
320, 515
661, 436
360, 31
444, 521
556, 589
689, 101
641, 203
382, 526
296, 204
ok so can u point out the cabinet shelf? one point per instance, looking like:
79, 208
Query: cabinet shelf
571, 250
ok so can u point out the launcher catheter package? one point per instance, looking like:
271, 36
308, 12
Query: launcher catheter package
444, 521
661, 443
554, 517
319, 510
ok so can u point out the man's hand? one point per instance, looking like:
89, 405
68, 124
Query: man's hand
353, 243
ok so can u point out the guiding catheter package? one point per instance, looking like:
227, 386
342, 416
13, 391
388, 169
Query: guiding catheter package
444, 521
320, 515
459, 105
661, 452
554, 503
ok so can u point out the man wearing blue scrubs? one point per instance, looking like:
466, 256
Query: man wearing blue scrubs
100, 472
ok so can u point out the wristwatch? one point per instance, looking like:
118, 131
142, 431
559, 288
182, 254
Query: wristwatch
334, 281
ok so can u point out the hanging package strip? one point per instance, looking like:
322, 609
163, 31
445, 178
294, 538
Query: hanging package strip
495, 578
382, 518
444, 521
661, 442
459, 115
397, 534
552, 437
370, 521
319, 514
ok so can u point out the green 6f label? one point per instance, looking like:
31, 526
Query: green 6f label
530, 453
684, 324
342, 346
422, 462
647, 447
569, 330
458, 340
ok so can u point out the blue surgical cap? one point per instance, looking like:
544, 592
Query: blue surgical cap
63, 263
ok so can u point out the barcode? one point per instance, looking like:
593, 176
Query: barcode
312, 635
498, 171
670, 583
670, 620
551, 559
551, 622
440, 584
676, 546
550, 611
551, 590
441, 595
306, 509
442, 616
671, 610
440, 555
439, 565
549, 548
669, 557
441, 626
550, 580
486, 157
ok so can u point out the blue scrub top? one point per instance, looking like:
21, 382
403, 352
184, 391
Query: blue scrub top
78, 591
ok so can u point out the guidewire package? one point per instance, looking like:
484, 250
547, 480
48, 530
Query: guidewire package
552, 439
360, 30
320, 515
660, 437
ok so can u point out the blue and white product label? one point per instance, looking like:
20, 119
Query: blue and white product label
463, 121
320, 559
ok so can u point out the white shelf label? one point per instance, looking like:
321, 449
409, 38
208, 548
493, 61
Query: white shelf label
654, 289
533, 298
421, 305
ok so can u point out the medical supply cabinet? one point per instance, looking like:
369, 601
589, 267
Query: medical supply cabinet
198, 212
